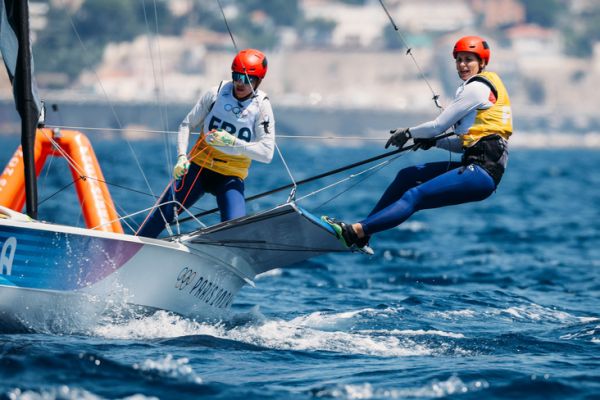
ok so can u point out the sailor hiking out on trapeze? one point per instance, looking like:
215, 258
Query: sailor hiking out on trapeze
482, 120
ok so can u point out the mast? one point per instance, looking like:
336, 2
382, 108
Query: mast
24, 88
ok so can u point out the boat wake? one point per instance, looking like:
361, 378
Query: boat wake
315, 332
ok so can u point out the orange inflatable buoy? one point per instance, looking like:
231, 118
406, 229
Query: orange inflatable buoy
96, 203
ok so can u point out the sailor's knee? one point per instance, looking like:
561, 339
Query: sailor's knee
404, 173
412, 197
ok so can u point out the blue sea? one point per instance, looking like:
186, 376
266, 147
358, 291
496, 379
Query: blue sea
492, 300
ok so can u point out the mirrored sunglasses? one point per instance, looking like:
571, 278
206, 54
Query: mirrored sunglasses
247, 79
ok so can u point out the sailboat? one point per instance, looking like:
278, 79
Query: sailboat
52, 274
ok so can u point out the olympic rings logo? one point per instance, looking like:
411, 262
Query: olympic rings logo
185, 277
237, 111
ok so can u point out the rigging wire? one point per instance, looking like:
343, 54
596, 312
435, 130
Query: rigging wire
367, 172
110, 104
159, 84
48, 168
228, 29
158, 91
263, 245
325, 174
300, 137
81, 176
76, 167
409, 51
127, 220
61, 189
294, 184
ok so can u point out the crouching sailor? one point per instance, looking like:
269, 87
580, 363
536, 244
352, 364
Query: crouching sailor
237, 127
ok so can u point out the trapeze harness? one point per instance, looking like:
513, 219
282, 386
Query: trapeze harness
485, 142
444, 183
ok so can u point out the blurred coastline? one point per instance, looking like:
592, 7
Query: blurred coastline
336, 69
148, 121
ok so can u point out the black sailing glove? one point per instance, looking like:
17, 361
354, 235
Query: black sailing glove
424, 144
399, 137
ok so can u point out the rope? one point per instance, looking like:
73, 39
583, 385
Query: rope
60, 190
228, 30
65, 155
301, 137
73, 165
287, 168
145, 211
173, 184
125, 219
209, 154
262, 245
159, 85
325, 174
374, 169
435, 97
135, 157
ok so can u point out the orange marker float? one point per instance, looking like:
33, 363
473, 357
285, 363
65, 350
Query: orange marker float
96, 203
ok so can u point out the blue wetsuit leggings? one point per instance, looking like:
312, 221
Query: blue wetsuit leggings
229, 191
430, 185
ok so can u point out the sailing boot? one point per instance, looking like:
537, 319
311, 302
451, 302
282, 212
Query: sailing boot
348, 236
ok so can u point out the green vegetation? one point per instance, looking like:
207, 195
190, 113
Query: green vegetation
72, 42
281, 12
580, 31
317, 32
543, 12
580, 37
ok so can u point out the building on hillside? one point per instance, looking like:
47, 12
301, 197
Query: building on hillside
433, 15
596, 57
177, 70
499, 13
534, 41
356, 26
37, 18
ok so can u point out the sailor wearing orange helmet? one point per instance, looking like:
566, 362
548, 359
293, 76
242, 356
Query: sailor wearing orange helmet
237, 126
482, 120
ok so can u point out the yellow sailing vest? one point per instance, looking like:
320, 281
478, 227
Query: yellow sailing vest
207, 156
495, 120
237, 118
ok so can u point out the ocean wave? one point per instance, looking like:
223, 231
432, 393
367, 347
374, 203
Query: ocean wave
436, 389
62, 392
326, 321
428, 332
537, 313
161, 324
314, 332
283, 335
170, 367
453, 314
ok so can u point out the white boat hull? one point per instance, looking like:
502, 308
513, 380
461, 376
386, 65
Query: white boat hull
51, 273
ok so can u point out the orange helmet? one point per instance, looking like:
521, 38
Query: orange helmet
473, 44
251, 62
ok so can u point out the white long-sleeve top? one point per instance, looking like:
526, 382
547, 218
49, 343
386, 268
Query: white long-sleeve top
460, 114
259, 146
